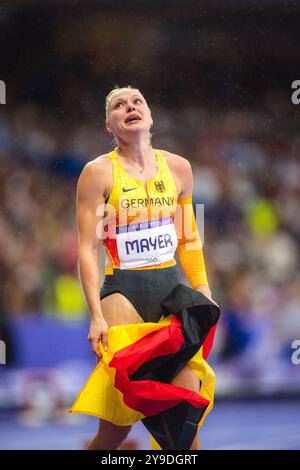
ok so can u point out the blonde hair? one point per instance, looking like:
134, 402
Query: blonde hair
115, 90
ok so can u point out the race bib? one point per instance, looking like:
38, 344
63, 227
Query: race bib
146, 243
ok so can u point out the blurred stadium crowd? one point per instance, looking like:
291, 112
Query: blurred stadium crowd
247, 173
245, 158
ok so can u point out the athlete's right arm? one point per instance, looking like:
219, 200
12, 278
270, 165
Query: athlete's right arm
90, 197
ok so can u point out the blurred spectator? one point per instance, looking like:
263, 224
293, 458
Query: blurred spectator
241, 138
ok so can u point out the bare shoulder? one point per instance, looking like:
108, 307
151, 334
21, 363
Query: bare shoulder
176, 162
98, 165
97, 174
182, 172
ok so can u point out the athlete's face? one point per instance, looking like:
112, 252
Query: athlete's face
128, 112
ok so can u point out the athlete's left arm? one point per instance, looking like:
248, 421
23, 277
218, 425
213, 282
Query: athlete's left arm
190, 251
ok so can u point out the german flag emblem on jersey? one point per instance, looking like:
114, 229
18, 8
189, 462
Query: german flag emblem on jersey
159, 186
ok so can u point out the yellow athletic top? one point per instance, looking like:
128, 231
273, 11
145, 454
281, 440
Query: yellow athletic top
139, 232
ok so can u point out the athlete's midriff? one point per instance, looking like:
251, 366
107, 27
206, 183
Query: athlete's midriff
139, 230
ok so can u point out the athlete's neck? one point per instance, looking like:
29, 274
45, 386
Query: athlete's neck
138, 152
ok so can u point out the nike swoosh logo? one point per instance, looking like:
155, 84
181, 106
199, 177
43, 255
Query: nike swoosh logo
128, 189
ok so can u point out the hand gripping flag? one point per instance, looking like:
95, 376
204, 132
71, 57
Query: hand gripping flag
132, 381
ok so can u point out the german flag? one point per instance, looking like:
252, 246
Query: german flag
132, 381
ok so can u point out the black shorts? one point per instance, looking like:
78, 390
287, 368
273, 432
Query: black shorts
145, 288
